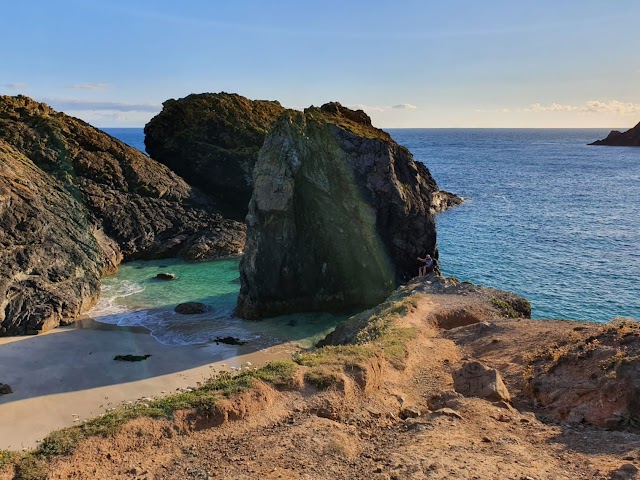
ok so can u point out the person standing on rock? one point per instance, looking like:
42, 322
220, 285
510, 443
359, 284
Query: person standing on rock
427, 267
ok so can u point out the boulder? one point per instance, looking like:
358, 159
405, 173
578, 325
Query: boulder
474, 379
5, 389
630, 138
338, 215
192, 308
212, 140
75, 202
166, 276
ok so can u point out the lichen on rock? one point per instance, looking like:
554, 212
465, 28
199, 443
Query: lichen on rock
339, 214
212, 140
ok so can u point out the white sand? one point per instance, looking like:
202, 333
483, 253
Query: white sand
69, 374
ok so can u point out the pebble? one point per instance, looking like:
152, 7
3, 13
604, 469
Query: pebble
449, 412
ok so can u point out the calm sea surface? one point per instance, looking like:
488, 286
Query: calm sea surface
546, 216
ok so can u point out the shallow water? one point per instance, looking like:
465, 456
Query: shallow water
134, 297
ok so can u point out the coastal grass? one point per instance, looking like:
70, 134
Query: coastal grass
378, 337
324, 377
29, 465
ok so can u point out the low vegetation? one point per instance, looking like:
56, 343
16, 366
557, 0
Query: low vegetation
223, 385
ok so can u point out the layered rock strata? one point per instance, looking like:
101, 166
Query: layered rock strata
75, 202
339, 214
212, 140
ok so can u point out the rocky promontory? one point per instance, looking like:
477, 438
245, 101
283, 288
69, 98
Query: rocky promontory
212, 140
630, 138
75, 202
339, 214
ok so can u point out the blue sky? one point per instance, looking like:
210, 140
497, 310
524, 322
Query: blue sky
571, 63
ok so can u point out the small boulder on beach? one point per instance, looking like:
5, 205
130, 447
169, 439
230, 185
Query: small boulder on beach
192, 308
166, 276
5, 389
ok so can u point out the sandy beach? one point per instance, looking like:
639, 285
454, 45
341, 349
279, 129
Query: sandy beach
69, 374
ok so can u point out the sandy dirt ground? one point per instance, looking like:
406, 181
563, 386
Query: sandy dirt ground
68, 374
357, 431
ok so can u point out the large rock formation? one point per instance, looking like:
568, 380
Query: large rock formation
74, 201
630, 138
50, 257
212, 141
338, 215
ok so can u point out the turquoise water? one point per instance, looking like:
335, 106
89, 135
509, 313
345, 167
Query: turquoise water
546, 216
134, 297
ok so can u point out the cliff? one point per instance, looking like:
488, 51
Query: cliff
212, 140
338, 215
630, 138
118, 203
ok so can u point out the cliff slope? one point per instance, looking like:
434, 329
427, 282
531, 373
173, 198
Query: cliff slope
136, 207
212, 140
630, 138
338, 215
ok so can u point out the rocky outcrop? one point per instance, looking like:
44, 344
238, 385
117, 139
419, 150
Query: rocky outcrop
591, 377
75, 202
50, 258
630, 138
338, 215
192, 308
442, 200
473, 379
212, 140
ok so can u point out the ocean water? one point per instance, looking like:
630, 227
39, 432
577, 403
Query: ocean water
545, 216
134, 297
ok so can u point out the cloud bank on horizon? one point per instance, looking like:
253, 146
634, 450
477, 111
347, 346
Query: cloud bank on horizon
422, 64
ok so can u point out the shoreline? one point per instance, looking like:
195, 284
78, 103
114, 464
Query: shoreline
68, 374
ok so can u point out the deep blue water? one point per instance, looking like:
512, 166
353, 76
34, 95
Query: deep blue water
546, 216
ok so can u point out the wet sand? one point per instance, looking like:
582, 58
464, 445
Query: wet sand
67, 375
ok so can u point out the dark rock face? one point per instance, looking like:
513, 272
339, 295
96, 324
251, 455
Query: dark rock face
630, 138
192, 308
51, 257
338, 215
166, 276
90, 201
212, 141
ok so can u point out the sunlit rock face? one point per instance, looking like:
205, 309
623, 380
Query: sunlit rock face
338, 215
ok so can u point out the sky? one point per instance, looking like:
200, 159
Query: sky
459, 63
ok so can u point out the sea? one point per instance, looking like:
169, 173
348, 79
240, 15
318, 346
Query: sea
545, 216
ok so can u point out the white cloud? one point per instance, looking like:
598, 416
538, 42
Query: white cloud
15, 86
90, 86
494, 110
614, 106
90, 105
404, 106
554, 107
367, 108
589, 107
381, 108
